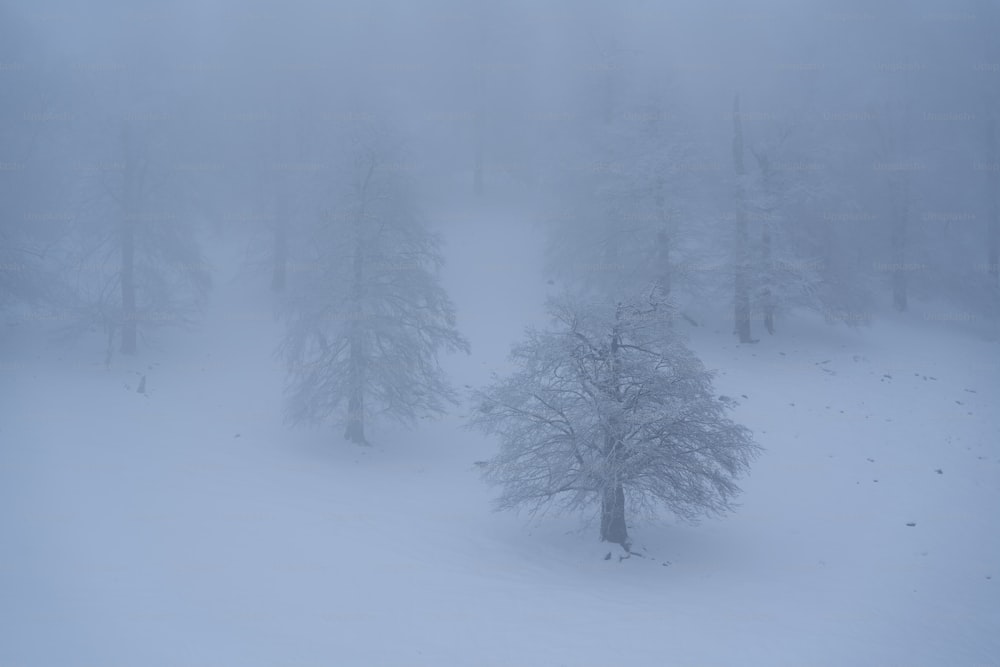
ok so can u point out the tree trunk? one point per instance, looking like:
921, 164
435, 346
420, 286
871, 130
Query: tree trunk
664, 280
993, 224
898, 239
358, 353
609, 92
663, 274
280, 257
741, 311
129, 333
610, 64
355, 431
130, 198
767, 296
741, 283
477, 171
611, 266
613, 528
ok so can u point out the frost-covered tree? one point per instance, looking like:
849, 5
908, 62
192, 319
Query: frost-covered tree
132, 261
33, 172
791, 241
130, 192
281, 170
792, 263
627, 224
611, 409
891, 150
367, 315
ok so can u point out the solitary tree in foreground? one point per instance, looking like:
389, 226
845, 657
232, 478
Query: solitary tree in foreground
610, 409
368, 316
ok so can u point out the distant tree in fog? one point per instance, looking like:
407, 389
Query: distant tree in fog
34, 117
993, 189
894, 164
621, 218
742, 261
366, 316
797, 254
795, 232
132, 260
609, 409
286, 176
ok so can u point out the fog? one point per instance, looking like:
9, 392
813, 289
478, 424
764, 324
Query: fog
241, 100
306, 246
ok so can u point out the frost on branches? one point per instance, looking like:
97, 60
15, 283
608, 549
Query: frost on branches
610, 409
368, 316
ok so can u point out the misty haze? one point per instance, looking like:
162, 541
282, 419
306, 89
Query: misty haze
539, 332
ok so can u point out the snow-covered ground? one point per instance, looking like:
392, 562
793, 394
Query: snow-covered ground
189, 526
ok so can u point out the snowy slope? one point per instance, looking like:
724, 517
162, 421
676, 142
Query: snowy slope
188, 526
